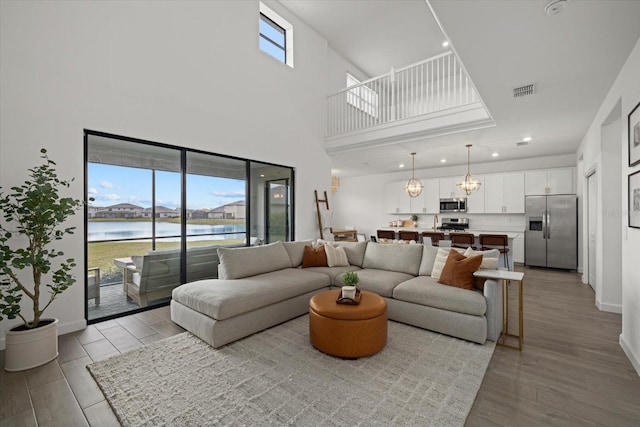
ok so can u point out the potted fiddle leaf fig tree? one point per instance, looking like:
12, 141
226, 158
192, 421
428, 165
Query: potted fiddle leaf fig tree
31, 221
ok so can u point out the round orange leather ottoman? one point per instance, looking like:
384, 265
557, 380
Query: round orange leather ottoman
348, 331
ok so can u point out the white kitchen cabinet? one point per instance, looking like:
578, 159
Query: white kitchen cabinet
504, 193
399, 202
431, 197
475, 201
549, 181
448, 188
396, 198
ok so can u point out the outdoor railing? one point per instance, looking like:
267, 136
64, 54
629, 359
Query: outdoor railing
435, 84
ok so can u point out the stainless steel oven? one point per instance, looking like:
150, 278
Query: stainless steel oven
453, 205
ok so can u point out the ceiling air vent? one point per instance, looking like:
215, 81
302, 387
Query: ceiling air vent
522, 143
524, 91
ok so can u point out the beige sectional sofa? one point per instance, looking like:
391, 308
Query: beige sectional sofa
259, 287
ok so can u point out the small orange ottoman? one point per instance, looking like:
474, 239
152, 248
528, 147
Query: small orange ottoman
348, 331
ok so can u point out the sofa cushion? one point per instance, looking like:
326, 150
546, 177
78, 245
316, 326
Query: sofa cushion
333, 272
236, 263
296, 251
354, 250
458, 271
398, 258
428, 258
223, 299
489, 258
336, 256
441, 260
381, 282
425, 290
314, 257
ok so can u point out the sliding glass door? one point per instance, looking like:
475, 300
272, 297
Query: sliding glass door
156, 215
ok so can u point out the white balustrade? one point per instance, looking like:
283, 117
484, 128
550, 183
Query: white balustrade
432, 85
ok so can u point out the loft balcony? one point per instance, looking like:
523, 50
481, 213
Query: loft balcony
430, 98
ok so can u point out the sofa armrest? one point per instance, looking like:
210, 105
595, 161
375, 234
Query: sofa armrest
493, 295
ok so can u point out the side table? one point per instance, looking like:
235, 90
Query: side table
504, 277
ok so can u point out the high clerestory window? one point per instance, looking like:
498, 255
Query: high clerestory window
275, 35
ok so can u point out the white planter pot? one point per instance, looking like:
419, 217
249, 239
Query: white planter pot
349, 292
31, 348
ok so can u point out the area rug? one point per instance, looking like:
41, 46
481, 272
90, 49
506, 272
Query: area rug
276, 378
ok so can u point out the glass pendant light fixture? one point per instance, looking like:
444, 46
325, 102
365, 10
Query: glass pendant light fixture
414, 186
468, 184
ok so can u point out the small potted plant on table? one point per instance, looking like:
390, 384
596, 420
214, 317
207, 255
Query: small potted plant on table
414, 218
350, 280
32, 215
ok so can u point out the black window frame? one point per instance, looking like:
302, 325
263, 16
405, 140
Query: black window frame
278, 28
183, 245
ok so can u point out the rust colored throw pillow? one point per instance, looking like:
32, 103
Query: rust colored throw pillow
314, 257
458, 270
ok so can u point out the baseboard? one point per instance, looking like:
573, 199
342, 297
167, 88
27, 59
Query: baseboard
635, 361
610, 308
63, 328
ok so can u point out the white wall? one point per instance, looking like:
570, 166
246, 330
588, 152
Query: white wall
610, 195
625, 90
337, 72
360, 201
182, 73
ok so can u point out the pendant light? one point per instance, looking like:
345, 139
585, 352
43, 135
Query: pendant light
414, 186
468, 184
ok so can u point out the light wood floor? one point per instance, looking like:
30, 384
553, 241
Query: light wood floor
571, 372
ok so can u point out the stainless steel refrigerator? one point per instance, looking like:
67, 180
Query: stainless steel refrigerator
551, 234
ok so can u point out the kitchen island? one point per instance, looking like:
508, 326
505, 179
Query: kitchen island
511, 236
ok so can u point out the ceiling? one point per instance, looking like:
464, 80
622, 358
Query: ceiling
573, 59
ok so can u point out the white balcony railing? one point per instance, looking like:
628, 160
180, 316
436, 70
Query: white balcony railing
435, 84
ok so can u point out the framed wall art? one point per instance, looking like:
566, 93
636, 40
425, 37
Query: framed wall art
634, 136
634, 200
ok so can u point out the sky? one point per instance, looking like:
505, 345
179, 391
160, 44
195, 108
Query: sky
110, 185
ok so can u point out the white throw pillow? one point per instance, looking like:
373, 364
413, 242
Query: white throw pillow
441, 260
488, 262
336, 256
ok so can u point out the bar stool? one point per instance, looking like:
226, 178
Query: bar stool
435, 237
409, 236
386, 234
496, 241
462, 240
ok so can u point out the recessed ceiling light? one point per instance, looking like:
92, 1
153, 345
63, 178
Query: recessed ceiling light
495, 154
401, 165
445, 43
261, 175
443, 161
527, 139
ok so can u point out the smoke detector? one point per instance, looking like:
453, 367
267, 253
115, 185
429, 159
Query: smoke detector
555, 7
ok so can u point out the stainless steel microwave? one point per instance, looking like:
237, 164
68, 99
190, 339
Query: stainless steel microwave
453, 205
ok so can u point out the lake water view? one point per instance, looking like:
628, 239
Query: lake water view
118, 230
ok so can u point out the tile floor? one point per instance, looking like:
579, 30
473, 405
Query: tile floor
62, 392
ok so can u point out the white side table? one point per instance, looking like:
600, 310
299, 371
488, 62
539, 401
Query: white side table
504, 277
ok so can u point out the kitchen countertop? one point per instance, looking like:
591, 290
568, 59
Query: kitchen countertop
510, 234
